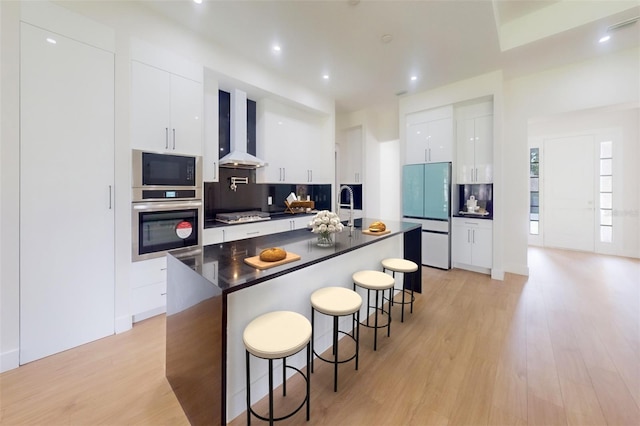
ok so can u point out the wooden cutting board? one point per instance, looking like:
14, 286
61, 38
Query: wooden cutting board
260, 264
377, 234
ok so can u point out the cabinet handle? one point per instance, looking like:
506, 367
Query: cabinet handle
429, 154
473, 236
110, 197
468, 235
284, 174
425, 155
166, 138
252, 233
215, 170
163, 269
163, 294
174, 138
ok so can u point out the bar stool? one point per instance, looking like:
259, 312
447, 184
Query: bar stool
379, 282
336, 302
404, 266
277, 335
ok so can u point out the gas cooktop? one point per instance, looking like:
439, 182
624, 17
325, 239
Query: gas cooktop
242, 217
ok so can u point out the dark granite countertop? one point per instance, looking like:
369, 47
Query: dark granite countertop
223, 264
474, 216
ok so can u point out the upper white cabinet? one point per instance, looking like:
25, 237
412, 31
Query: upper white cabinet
429, 136
295, 144
351, 156
474, 162
166, 111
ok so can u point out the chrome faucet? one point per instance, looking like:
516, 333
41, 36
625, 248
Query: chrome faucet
350, 191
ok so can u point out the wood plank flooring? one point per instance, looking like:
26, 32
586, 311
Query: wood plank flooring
560, 347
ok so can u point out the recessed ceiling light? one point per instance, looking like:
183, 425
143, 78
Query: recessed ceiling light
326, 76
386, 38
50, 40
414, 77
604, 39
197, 1
276, 48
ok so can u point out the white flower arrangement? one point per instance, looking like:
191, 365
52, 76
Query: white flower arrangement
326, 222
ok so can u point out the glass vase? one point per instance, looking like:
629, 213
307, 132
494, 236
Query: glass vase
325, 240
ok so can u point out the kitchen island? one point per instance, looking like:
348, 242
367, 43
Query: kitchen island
212, 294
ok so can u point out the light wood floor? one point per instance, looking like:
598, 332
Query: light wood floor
559, 347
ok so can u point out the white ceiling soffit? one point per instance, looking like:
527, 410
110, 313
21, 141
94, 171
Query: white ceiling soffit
535, 20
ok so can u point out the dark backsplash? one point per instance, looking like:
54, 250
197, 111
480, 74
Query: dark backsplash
482, 192
220, 198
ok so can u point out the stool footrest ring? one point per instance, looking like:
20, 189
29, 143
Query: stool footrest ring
276, 419
319, 356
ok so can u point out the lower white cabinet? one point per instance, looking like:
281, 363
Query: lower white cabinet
472, 243
212, 236
148, 288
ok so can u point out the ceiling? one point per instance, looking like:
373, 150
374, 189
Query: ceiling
438, 42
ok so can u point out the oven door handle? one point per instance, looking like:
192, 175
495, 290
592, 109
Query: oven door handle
159, 205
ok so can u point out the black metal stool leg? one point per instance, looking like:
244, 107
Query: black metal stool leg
309, 356
248, 390
270, 392
313, 324
335, 352
284, 376
375, 329
402, 314
389, 314
357, 334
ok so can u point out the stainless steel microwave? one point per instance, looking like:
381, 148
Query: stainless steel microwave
162, 176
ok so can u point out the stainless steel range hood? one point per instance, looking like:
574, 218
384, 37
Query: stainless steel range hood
239, 158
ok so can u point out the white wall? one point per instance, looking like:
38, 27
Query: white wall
390, 180
128, 19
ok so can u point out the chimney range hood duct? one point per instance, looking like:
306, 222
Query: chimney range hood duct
239, 158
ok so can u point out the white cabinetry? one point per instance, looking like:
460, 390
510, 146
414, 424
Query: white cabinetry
474, 161
247, 230
148, 288
351, 156
294, 143
429, 136
211, 141
212, 236
67, 272
166, 111
472, 243
293, 223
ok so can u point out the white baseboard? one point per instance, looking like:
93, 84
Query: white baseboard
9, 360
150, 313
123, 324
518, 269
497, 274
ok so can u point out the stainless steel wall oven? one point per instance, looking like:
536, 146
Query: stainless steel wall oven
167, 208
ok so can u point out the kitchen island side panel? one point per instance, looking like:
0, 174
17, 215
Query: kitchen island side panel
195, 355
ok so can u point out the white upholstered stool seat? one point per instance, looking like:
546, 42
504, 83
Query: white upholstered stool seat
337, 302
403, 266
378, 282
277, 335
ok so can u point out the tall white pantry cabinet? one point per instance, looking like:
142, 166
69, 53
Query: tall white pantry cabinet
67, 279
